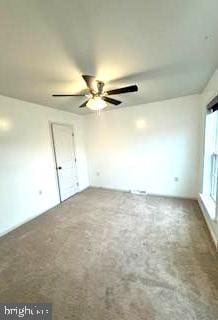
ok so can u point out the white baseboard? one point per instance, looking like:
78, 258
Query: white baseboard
172, 196
15, 226
208, 222
144, 193
109, 188
12, 228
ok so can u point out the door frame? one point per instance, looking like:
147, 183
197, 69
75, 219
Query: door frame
51, 123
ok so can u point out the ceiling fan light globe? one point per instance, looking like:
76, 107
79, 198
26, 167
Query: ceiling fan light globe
96, 103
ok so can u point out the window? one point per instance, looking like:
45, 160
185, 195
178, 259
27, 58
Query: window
214, 174
210, 174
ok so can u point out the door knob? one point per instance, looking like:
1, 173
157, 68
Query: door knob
59, 168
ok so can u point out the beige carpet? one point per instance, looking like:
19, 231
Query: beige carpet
109, 255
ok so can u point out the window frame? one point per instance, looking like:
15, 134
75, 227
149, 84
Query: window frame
213, 177
210, 202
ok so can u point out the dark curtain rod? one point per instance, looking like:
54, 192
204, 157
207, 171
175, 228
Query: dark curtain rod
213, 105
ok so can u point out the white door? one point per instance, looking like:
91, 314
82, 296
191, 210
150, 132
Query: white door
65, 160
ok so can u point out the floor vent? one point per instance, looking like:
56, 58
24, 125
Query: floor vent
141, 192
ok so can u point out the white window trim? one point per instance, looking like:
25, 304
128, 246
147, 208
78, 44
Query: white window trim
210, 206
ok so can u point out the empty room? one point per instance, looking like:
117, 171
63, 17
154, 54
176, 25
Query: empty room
109, 159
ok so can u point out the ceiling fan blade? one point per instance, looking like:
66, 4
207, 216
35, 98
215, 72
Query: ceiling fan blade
68, 95
83, 104
123, 90
89, 81
112, 101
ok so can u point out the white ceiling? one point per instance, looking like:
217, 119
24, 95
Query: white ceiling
168, 47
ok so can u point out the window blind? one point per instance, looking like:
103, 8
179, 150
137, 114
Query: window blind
213, 105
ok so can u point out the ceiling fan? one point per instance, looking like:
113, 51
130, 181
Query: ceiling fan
96, 95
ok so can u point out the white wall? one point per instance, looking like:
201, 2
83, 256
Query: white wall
145, 147
27, 165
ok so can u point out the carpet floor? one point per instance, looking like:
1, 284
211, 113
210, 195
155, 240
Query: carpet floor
110, 255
